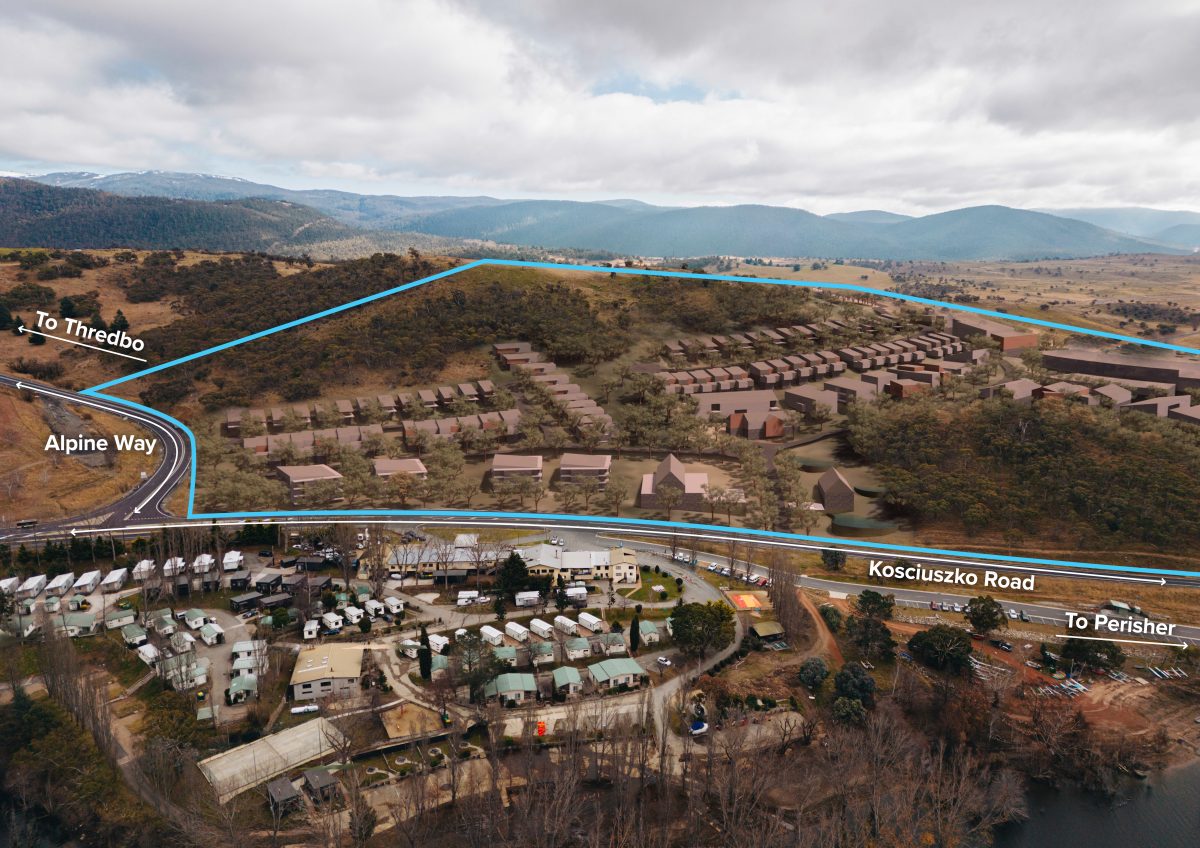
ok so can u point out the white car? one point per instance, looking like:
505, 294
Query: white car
307, 708
1013, 615
664, 662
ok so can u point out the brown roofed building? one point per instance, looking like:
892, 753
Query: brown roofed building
507, 466
834, 492
385, 467
670, 472
1009, 338
577, 467
301, 478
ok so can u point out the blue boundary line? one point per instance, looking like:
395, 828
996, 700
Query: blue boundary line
97, 391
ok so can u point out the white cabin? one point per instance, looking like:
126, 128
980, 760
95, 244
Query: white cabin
438, 644
311, 628
491, 635
541, 628
561, 622
143, 570
173, 566
528, 599
115, 580
394, 605
353, 614
517, 631
32, 587
586, 619
60, 585
9, 585
374, 608
332, 621
232, 561
203, 564
87, 583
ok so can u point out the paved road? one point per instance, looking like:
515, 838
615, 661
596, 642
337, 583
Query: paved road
1039, 613
145, 503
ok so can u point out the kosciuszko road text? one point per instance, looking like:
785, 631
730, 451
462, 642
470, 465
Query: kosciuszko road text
919, 573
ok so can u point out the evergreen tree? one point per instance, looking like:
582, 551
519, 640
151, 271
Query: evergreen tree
635, 634
425, 655
119, 322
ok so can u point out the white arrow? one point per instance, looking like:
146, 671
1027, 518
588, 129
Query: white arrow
81, 344
1183, 645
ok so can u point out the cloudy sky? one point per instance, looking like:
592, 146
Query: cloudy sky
830, 106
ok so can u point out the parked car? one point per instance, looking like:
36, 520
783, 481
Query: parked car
249, 614
1012, 614
265, 554
664, 662
1002, 645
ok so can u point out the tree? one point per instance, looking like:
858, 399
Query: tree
813, 673
635, 634
119, 322
700, 628
849, 711
872, 604
1100, 654
668, 496
425, 655
832, 617
985, 615
943, 647
870, 635
513, 575
833, 560
854, 682
498, 607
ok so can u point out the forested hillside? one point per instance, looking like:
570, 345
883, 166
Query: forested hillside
36, 215
1086, 476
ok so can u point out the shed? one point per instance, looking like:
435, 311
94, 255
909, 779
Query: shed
321, 784
567, 681
768, 631
283, 795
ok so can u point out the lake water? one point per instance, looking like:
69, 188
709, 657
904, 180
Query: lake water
1161, 812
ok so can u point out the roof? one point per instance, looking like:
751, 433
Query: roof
132, 631
511, 682
319, 778
763, 629
541, 649
385, 466
646, 626
308, 473
504, 652
238, 769
281, 791
566, 674
578, 643
606, 670
327, 662
513, 462
245, 683
585, 461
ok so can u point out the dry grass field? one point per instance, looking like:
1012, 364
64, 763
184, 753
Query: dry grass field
40, 484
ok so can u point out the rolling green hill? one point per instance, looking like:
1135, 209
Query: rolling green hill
36, 215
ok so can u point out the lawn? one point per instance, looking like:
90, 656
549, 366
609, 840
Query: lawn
645, 593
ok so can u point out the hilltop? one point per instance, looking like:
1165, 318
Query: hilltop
224, 213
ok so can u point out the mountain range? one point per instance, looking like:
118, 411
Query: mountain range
286, 220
